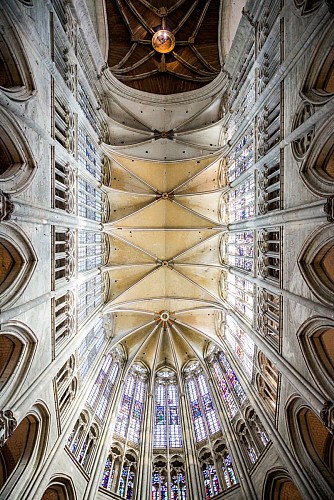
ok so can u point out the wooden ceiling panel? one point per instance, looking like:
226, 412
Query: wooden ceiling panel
192, 63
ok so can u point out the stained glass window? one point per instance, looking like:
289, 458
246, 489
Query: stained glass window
159, 484
228, 472
89, 297
240, 343
203, 413
232, 407
89, 250
101, 391
108, 474
240, 294
241, 158
90, 203
241, 201
240, 250
130, 413
211, 483
178, 486
167, 420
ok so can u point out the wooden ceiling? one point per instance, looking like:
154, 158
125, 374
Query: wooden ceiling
194, 62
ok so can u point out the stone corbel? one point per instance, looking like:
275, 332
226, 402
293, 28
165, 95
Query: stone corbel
7, 425
327, 416
6, 206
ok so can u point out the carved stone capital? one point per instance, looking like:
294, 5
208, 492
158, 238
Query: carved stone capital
6, 206
327, 415
7, 425
329, 209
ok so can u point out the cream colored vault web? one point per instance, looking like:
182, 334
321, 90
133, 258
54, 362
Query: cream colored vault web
164, 269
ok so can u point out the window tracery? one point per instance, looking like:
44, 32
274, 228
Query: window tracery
130, 412
267, 382
240, 250
89, 297
167, 425
269, 317
66, 385
241, 201
101, 392
63, 254
64, 318
203, 412
90, 347
241, 345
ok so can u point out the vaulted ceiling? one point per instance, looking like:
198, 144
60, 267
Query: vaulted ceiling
192, 63
164, 228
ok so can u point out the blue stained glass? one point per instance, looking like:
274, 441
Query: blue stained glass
160, 417
137, 410
196, 409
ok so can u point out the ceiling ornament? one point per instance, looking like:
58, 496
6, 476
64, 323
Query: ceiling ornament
163, 50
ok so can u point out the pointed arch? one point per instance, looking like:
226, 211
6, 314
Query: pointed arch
278, 485
16, 80
318, 85
17, 348
312, 444
316, 263
18, 263
17, 164
316, 341
61, 487
22, 453
317, 169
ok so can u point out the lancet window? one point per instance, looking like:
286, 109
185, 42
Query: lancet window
65, 124
224, 465
90, 203
177, 479
269, 186
240, 295
229, 384
267, 382
64, 254
63, 187
88, 155
167, 425
90, 347
83, 439
203, 412
269, 261
240, 250
241, 345
120, 472
130, 412
252, 436
63, 314
100, 394
89, 297
89, 250
66, 385
241, 158
241, 201
269, 316
87, 107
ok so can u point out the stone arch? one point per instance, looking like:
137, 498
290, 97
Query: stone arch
317, 169
316, 338
17, 165
312, 444
23, 451
60, 488
18, 260
17, 348
318, 85
16, 79
278, 485
316, 263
